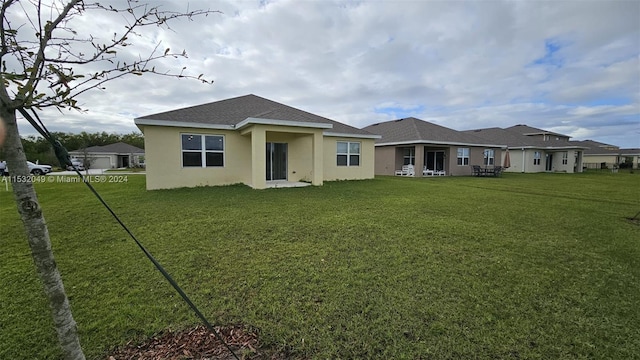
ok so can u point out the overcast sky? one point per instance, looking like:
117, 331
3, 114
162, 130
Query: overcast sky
571, 67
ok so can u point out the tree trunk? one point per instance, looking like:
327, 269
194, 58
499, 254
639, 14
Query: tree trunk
38, 237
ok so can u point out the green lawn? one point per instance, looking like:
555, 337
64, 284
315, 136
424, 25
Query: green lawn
536, 266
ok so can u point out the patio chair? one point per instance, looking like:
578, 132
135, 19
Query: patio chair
427, 172
440, 173
410, 170
477, 170
407, 170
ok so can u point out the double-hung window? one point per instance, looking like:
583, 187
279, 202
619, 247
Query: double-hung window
202, 150
536, 158
463, 156
489, 157
348, 153
409, 156
565, 158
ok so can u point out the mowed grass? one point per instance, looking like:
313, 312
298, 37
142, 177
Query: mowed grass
535, 266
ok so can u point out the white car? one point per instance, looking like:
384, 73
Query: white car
37, 169
76, 163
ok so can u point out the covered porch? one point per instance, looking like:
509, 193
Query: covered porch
285, 155
427, 160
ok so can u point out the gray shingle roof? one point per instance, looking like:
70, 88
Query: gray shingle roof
596, 144
599, 148
416, 130
234, 110
630, 151
513, 137
528, 130
117, 148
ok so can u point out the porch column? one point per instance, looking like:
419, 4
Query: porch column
258, 158
579, 165
419, 159
318, 153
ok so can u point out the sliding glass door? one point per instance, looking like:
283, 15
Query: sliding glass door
434, 160
276, 161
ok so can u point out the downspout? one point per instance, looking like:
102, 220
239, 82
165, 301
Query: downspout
523, 162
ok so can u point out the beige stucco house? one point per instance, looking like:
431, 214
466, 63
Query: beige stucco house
251, 140
534, 150
430, 148
604, 156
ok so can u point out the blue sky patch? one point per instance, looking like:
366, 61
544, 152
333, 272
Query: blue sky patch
400, 112
551, 57
609, 101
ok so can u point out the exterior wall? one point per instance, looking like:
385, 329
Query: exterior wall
390, 158
476, 157
515, 157
163, 159
334, 172
385, 161
520, 163
310, 157
598, 159
529, 167
558, 166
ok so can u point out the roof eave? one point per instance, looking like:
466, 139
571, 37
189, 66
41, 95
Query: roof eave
455, 143
155, 122
565, 148
253, 121
360, 136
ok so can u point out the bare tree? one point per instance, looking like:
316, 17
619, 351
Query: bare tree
46, 63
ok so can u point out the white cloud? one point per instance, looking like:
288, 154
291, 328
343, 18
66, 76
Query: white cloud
464, 64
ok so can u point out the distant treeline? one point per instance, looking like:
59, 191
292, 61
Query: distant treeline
38, 149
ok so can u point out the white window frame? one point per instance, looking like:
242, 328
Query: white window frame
489, 157
565, 158
462, 157
409, 159
537, 155
348, 154
203, 150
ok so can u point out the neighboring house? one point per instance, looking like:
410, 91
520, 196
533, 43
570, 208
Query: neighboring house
251, 140
118, 155
604, 156
535, 150
429, 146
630, 158
598, 155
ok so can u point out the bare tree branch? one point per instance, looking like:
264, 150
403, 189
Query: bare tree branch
57, 54
44, 62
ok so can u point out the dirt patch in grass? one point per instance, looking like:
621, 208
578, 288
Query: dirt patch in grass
634, 220
198, 343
